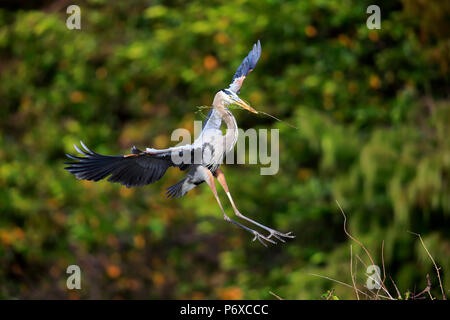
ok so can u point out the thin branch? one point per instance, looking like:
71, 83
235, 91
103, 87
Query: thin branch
365, 265
343, 283
330, 294
351, 272
382, 263
362, 246
396, 289
427, 288
434, 263
276, 296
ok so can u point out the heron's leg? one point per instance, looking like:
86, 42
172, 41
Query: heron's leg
277, 234
212, 185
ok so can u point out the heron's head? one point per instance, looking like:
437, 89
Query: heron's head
229, 97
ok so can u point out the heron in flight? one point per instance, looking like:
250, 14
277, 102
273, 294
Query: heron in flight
201, 159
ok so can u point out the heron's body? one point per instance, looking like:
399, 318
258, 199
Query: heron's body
201, 159
214, 145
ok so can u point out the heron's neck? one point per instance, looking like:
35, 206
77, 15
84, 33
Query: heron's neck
231, 135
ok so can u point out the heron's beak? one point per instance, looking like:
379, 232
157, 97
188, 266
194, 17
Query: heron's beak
244, 105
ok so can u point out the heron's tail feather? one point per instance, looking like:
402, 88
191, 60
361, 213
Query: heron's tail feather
180, 188
176, 190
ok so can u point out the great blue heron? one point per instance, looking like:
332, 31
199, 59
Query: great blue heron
145, 167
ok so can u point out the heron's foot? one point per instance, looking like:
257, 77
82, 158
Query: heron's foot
262, 238
272, 232
279, 235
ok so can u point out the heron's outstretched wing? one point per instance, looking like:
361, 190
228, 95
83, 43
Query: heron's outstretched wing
136, 169
247, 65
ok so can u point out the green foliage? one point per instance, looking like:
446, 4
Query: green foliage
372, 110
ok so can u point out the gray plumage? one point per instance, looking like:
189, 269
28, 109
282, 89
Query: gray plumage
201, 159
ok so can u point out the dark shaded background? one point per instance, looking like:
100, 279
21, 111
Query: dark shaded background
372, 107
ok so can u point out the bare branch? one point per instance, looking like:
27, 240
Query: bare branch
396, 289
382, 262
351, 272
276, 296
344, 284
434, 263
362, 246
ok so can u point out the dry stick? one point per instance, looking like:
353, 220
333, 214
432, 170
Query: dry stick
434, 263
344, 284
362, 246
276, 296
365, 265
382, 262
356, 267
239, 108
375, 296
396, 289
356, 270
330, 294
273, 117
427, 289
351, 272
